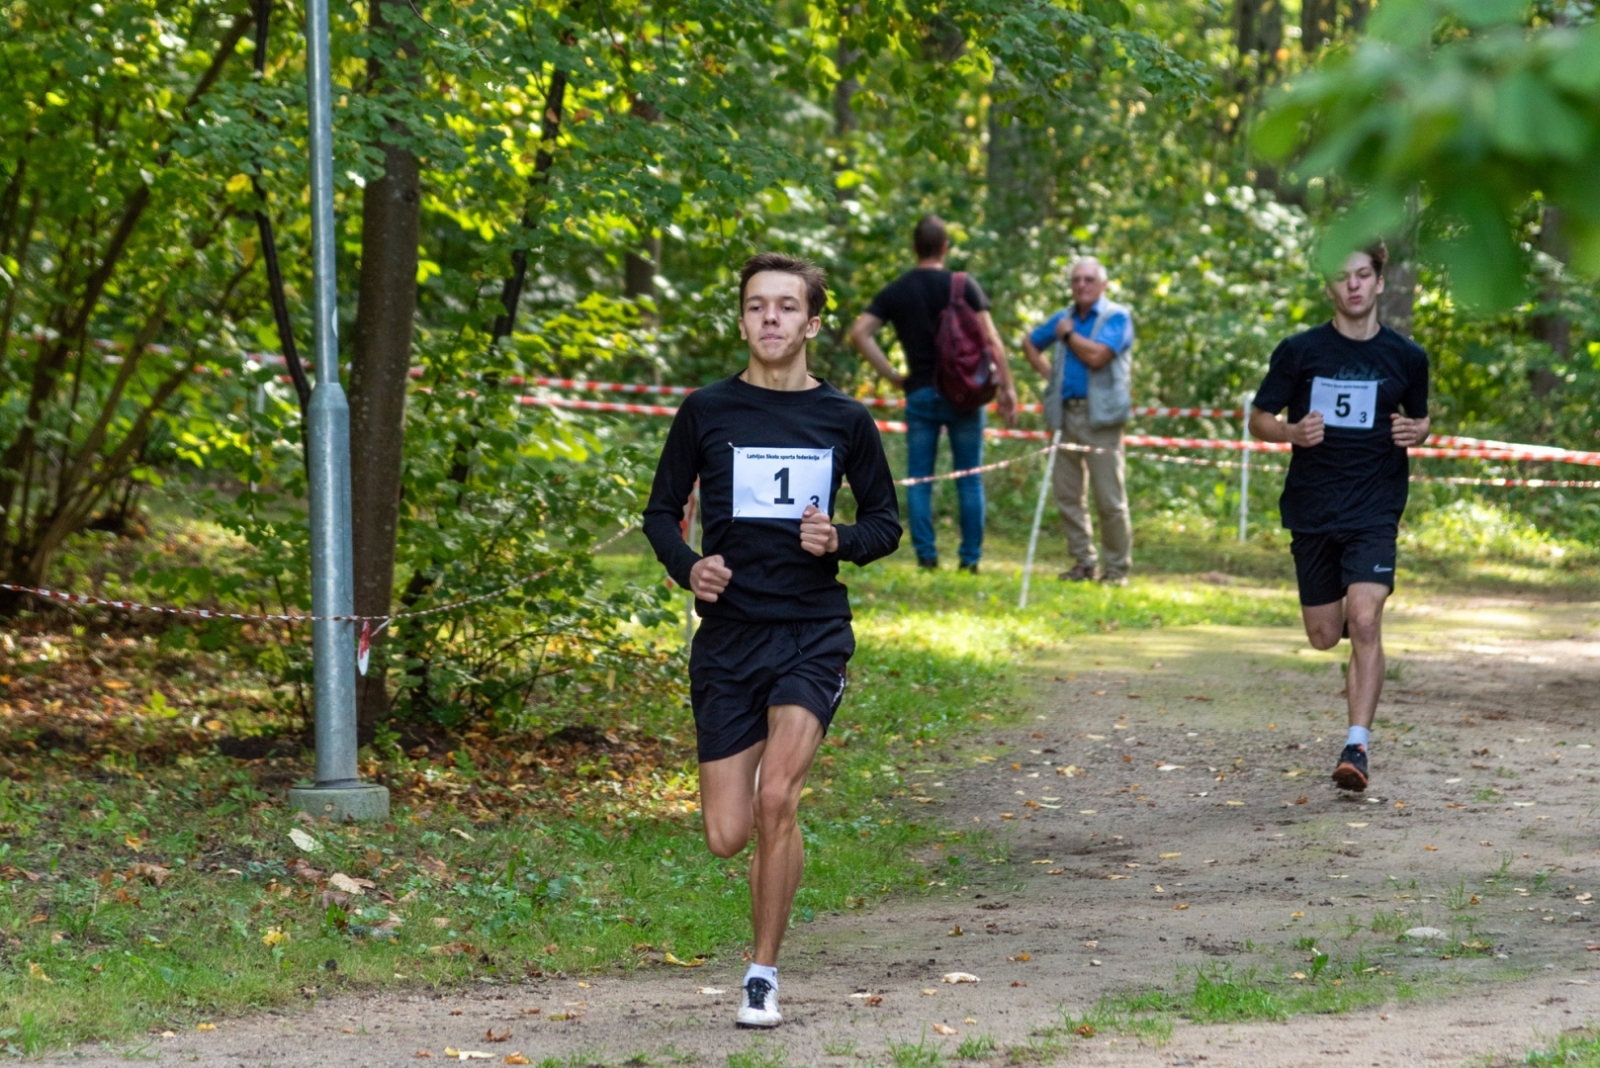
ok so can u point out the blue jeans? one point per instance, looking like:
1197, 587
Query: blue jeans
926, 413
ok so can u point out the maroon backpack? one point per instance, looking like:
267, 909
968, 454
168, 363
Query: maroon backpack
964, 374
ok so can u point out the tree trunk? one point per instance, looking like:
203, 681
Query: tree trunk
1018, 172
1397, 302
387, 304
639, 269
1550, 325
1316, 23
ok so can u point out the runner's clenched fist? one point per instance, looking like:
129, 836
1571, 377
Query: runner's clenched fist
818, 535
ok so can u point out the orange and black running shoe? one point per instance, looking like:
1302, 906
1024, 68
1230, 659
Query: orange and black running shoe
1351, 774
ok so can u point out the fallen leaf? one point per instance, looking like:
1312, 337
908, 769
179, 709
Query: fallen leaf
1092, 944
941, 1029
1298, 975
133, 842
1171, 856
956, 931
36, 972
205, 1027
1296, 915
929, 992
345, 884
491, 1036
1116, 876
1430, 849
1056, 871
304, 841
423, 1053
1021, 957
1007, 816
1357, 826
516, 1058
275, 936
151, 873
1179, 908
453, 949
961, 977
459, 833
1085, 1031
692, 963
1087, 811
698, 990
874, 1001
468, 1054
1094, 964
1018, 982
1169, 767
1233, 804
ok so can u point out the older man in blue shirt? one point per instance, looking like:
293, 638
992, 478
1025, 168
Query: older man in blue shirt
1088, 399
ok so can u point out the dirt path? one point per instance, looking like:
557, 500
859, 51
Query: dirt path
1191, 833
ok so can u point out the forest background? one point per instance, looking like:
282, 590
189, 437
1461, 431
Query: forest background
568, 189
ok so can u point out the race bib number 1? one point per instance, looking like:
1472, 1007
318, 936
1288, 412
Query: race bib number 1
772, 483
1346, 404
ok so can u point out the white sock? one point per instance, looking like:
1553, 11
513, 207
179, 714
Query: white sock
1358, 736
762, 971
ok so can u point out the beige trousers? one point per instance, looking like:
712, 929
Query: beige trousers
1106, 473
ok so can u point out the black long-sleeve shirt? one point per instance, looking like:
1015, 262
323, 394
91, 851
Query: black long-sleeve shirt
774, 579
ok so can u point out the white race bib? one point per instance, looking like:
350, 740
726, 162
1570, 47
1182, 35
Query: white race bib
1346, 404
777, 483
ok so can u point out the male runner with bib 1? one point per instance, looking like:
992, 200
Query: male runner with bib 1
1345, 384
767, 667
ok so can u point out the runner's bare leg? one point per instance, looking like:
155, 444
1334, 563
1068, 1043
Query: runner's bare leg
760, 788
1362, 608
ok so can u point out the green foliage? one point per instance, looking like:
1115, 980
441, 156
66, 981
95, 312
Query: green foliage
1469, 103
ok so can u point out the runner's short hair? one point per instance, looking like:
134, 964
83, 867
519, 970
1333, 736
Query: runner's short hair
930, 237
1378, 252
815, 278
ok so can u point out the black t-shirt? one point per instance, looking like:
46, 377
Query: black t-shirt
1358, 478
913, 303
775, 443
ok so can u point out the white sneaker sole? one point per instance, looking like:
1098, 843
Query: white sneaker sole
758, 1021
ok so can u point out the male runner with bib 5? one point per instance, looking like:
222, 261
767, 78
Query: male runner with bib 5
767, 667
1345, 384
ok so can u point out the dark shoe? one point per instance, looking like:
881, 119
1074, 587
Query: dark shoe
931, 564
971, 569
1114, 580
1351, 774
1080, 573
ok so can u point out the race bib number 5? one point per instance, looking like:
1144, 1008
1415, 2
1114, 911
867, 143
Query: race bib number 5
771, 483
1346, 404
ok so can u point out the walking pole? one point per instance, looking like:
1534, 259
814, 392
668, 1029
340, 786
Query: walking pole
338, 793
1038, 515
1244, 469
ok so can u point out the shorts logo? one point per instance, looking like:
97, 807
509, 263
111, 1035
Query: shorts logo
838, 695
1380, 567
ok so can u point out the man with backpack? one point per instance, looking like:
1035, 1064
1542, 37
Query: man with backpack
955, 364
1088, 400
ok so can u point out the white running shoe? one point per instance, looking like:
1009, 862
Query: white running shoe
759, 1005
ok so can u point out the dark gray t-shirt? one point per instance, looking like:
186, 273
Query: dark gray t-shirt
1358, 478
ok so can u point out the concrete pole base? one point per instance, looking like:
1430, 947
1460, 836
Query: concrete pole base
364, 801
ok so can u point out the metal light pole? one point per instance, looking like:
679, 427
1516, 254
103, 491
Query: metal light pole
338, 793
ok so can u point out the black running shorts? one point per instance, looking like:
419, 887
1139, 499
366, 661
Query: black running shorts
738, 670
1326, 564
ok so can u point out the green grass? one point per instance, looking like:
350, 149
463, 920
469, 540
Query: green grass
1570, 1051
758, 1055
915, 1055
976, 1048
1224, 995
